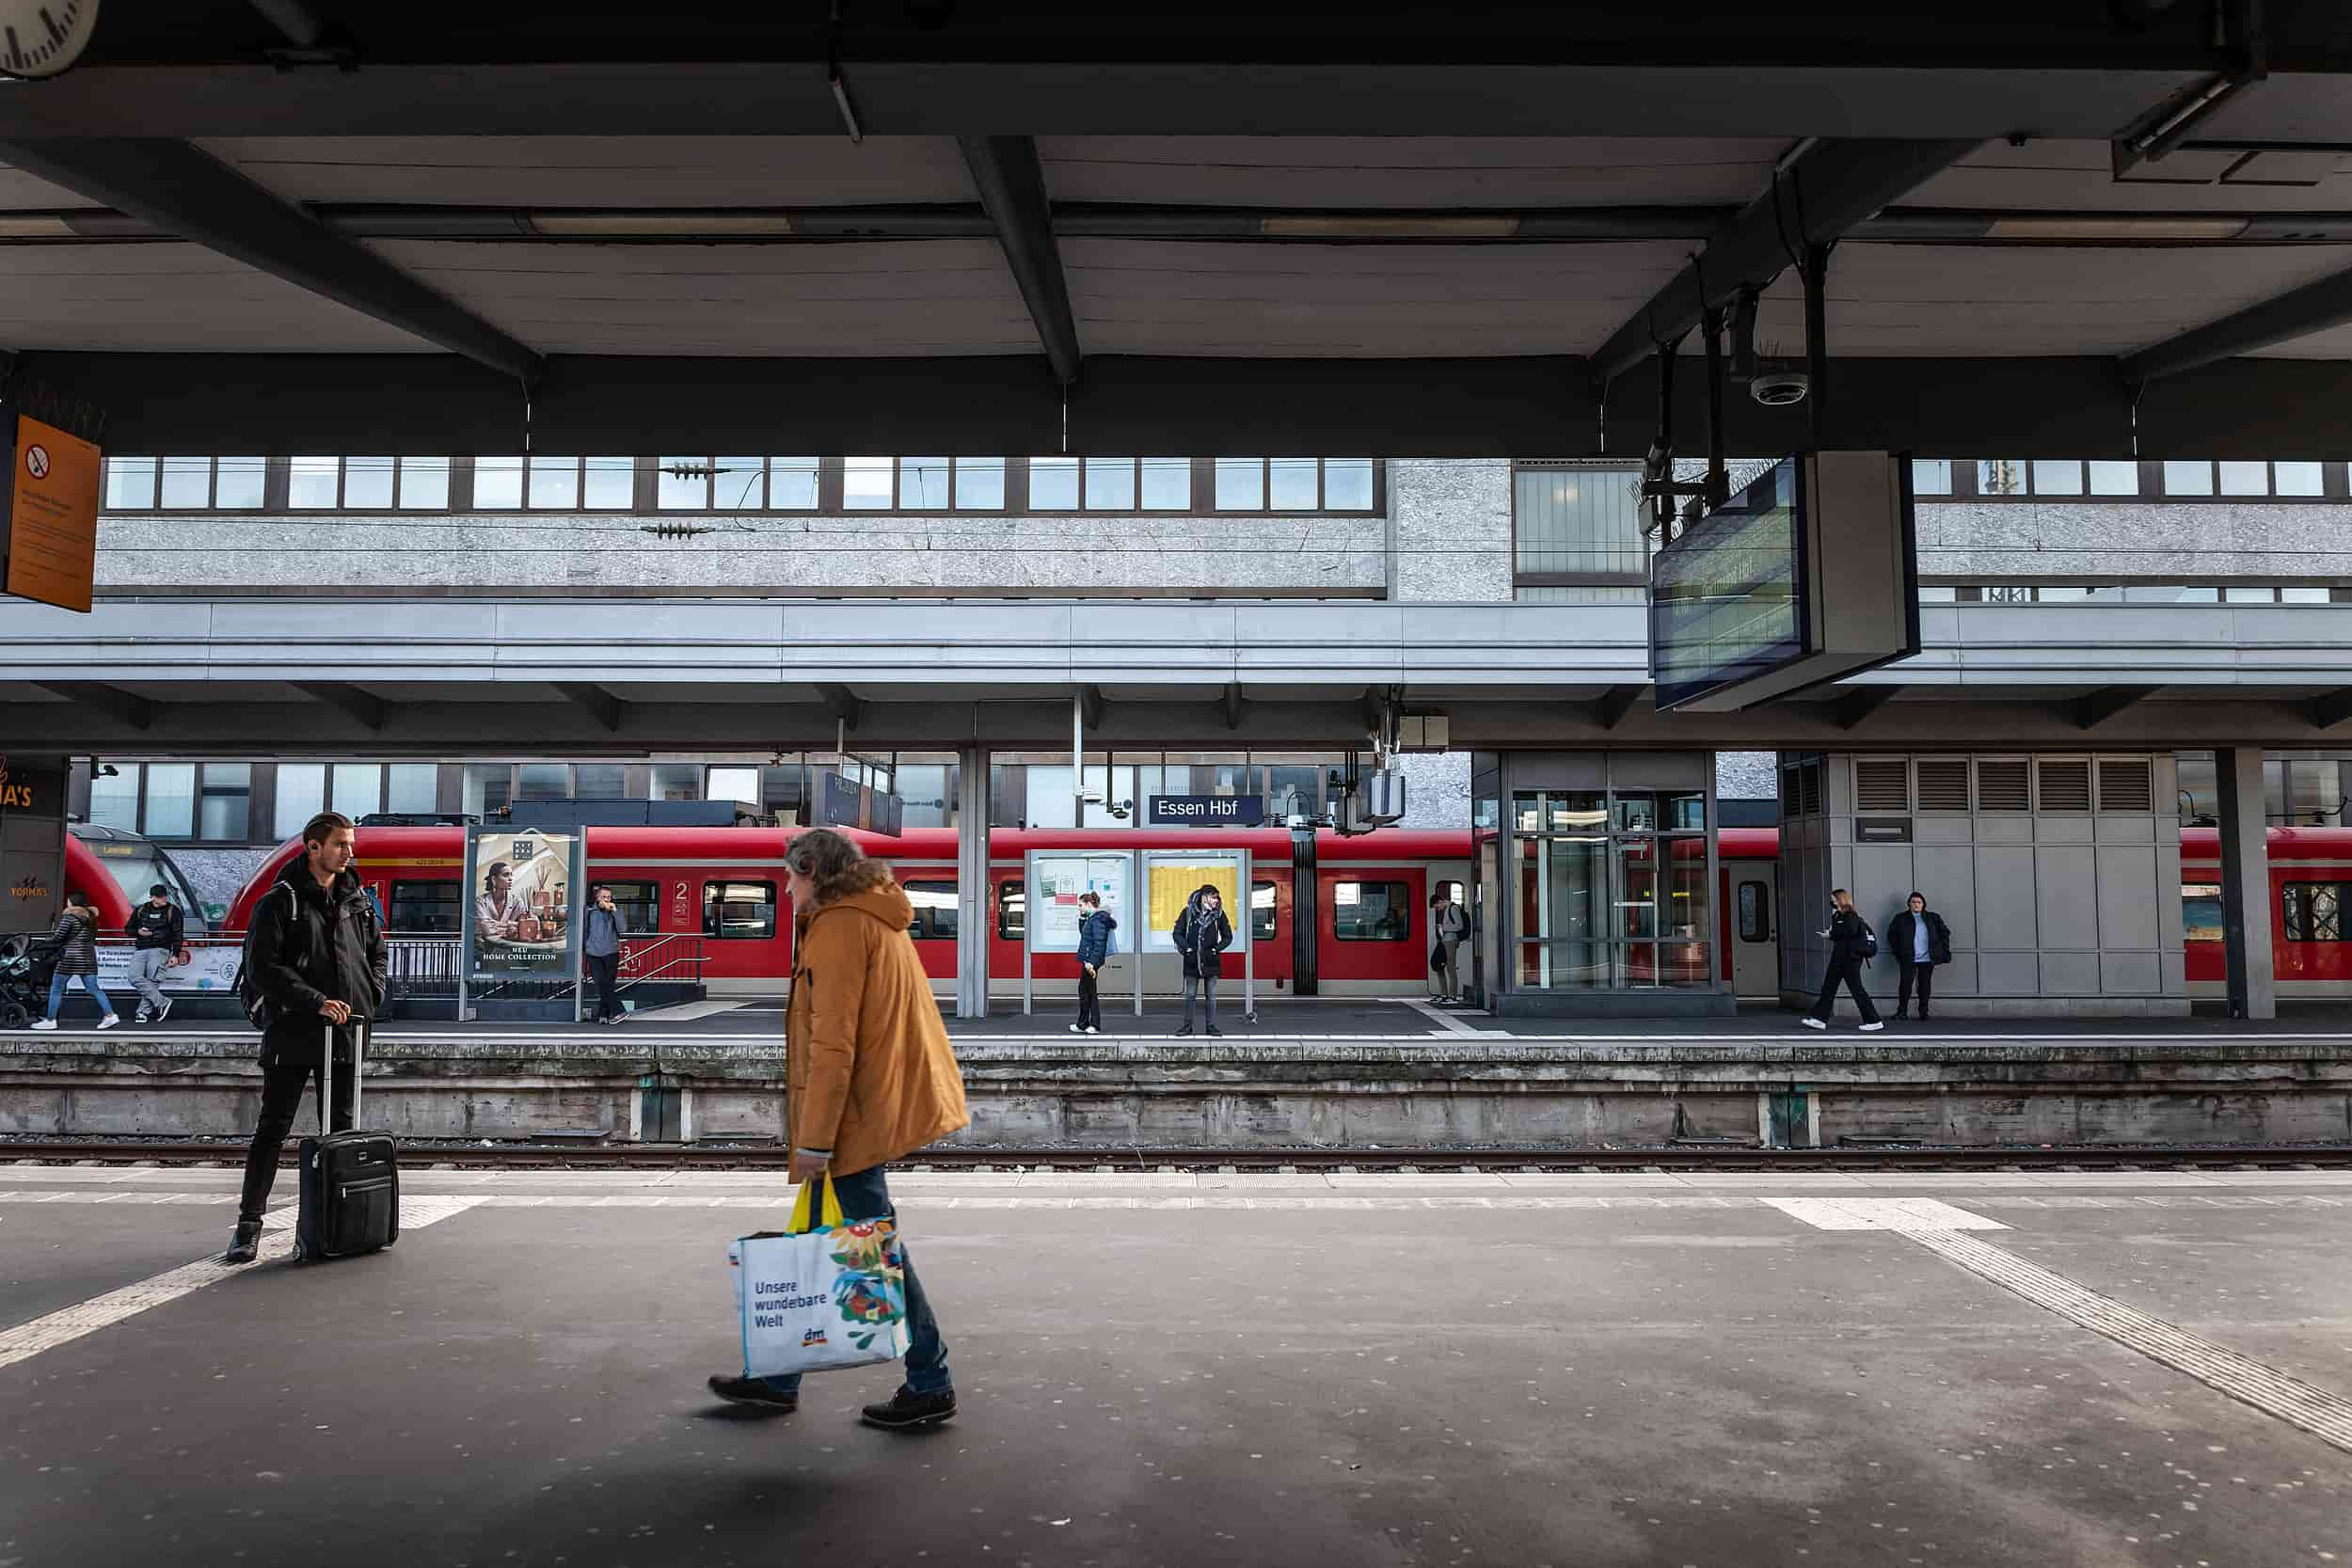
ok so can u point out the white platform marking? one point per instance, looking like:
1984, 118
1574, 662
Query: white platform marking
69, 1324
1882, 1213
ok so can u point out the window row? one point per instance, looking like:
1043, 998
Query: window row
2073, 479
238, 802
749, 483
2018, 592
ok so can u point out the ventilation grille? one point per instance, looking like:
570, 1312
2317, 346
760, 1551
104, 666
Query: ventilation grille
1882, 785
2126, 784
1809, 789
1791, 802
2002, 786
1944, 783
2065, 786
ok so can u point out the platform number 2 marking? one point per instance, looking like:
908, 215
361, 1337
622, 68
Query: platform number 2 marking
36, 461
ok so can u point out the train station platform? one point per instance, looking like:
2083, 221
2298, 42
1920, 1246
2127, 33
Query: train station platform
1950, 1371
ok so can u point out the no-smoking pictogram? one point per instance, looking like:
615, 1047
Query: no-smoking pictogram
36, 461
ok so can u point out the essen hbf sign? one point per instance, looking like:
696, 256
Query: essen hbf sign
1208, 811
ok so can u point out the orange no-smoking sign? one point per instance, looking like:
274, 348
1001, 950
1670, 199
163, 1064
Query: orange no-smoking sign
50, 538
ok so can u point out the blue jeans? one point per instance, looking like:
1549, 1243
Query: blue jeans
865, 1196
89, 984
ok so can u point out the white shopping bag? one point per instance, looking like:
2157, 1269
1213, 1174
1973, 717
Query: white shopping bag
817, 1297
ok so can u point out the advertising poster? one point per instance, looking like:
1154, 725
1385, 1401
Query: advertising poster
1059, 877
211, 967
1172, 877
520, 890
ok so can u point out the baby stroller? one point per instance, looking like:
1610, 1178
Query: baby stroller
25, 970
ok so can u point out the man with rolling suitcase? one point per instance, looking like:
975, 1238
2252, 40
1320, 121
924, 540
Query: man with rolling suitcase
314, 977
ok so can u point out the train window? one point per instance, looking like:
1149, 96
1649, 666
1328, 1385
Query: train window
2314, 911
934, 910
2200, 912
740, 912
1012, 907
639, 904
1755, 912
432, 909
1371, 911
1262, 912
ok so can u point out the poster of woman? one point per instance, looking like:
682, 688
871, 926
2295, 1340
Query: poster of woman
523, 885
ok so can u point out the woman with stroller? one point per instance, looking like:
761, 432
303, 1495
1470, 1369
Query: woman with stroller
74, 945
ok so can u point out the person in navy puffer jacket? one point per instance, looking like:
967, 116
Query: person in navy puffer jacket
1094, 945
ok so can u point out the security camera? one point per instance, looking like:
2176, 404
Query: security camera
1780, 389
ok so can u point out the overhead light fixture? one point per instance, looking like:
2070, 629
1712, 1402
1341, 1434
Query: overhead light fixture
658, 225
1383, 226
34, 226
2121, 226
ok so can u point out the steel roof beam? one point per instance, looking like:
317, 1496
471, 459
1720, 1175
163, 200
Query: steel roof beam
596, 699
124, 707
2324, 303
367, 710
1011, 182
2329, 710
180, 187
1820, 195
2094, 709
1851, 707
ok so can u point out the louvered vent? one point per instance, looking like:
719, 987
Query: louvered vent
1791, 800
2002, 786
1944, 783
2065, 786
1882, 785
1809, 788
2126, 784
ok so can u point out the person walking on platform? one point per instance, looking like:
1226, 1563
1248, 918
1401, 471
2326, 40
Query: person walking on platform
1094, 945
1202, 934
869, 1078
319, 960
1449, 927
75, 945
1851, 944
156, 934
1920, 940
600, 946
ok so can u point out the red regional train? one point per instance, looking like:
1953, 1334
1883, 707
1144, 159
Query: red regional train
1367, 894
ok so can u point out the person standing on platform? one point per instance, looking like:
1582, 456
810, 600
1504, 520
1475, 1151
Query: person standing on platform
1094, 945
319, 960
1449, 927
75, 945
157, 934
1920, 940
1202, 934
869, 1078
600, 946
1851, 943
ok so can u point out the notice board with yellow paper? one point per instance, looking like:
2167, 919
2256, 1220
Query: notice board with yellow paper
50, 536
1173, 876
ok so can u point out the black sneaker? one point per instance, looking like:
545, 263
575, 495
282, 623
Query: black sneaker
907, 1410
1185, 1030
754, 1390
247, 1247
1218, 1032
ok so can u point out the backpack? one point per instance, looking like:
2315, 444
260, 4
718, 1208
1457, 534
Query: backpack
1866, 945
258, 1011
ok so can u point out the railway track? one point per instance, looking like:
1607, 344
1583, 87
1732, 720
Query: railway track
1681, 1156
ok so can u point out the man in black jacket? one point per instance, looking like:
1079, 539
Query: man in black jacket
1850, 943
319, 959
1919, 940
157, 934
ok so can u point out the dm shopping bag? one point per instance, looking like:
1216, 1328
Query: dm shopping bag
817, 1297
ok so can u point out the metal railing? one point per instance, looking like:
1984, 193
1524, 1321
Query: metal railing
425, 965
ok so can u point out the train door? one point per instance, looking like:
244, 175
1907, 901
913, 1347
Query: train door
1753, 932
1372, 929
1486, 904
747, 935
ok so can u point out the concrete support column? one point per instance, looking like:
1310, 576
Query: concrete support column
972, 906
2246, 921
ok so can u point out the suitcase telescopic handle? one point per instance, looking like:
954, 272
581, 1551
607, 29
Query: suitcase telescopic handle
326, 1070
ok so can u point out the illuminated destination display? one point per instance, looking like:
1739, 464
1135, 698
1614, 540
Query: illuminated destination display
1728, 600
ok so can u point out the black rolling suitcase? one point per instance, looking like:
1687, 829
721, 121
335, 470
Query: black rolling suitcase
350, 1180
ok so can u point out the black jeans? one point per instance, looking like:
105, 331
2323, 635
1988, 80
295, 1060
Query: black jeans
287, 1072
1089, 999
605, 969
1846, 972
1905, 972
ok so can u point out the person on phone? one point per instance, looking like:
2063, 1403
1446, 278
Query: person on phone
1449, 927
1094, 945
320, 960
157, 934
600, 946
1850, 943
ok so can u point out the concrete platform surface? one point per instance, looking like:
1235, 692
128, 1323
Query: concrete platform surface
1453, 1368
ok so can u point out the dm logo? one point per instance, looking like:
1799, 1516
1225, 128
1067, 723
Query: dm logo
813, 1338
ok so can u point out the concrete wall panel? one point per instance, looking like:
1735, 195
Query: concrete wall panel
2129, 911
2131, 974
2070, 973
2066, 897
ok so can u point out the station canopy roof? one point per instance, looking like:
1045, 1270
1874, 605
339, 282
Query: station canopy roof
327, 224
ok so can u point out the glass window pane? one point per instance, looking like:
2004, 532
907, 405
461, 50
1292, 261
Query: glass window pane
682, 484
301, 796
2246, 479
237, 483
2297, 479
2114, 477
1012, 901
368, 484
187, 481
2249, 595
732, 784
738, 483
923, 484
979, 483
1371, 911
543, 780
1166, 483
1932, 476
310, 483
792, 484
554, 483
1580, 520
2303, 596
600, 781
611, 485
485, 789
1939, 595
129, 484
866, 483
740, 912
2000, 476
2188, 479
424, 909
358, 788
678, 781
413, 787
225, 816
1241, 484
170, 800
1110, 483
497, 482
424, 484
1053, 485
1347, 485
2058, 477
1292, 484
115, 802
